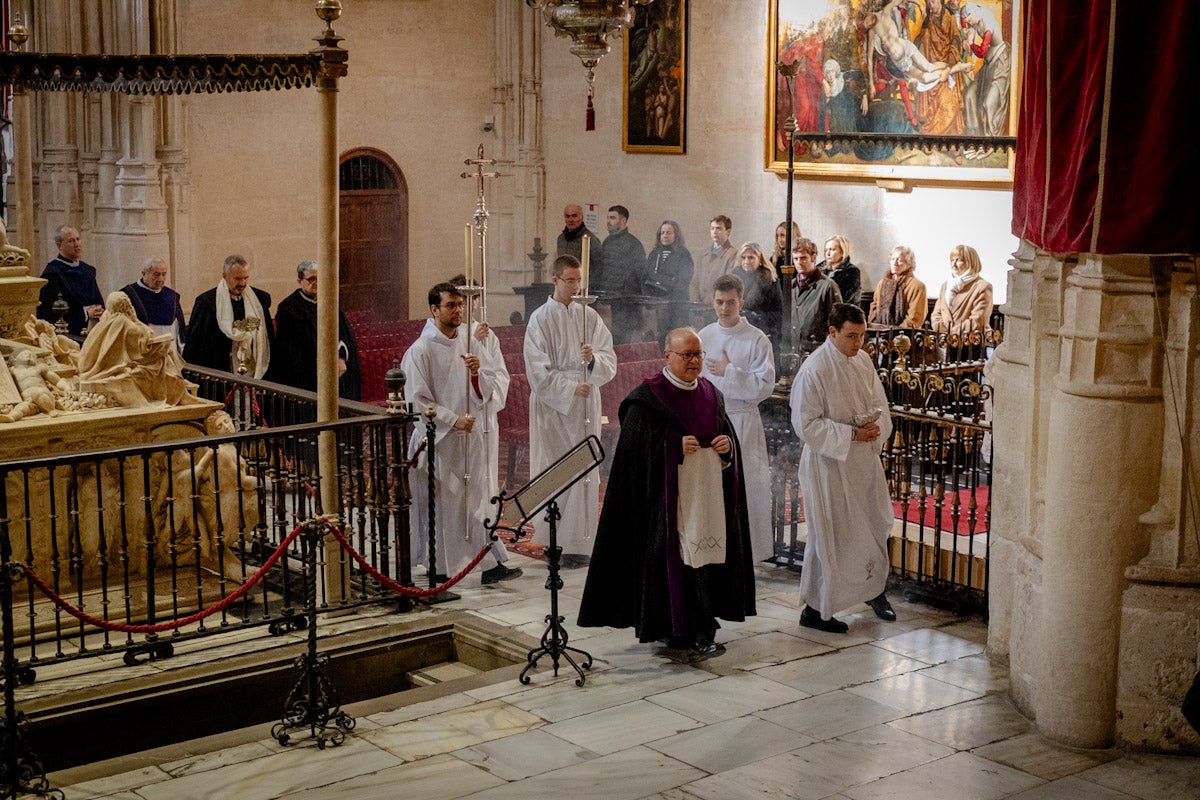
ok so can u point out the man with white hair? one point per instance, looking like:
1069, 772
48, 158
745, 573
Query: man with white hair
155, 303
213, 329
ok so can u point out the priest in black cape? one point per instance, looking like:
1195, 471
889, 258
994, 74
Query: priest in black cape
294, 358
68, 275
210, 328
671, 425
155, 303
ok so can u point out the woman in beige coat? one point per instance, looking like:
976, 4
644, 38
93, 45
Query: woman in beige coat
964, 304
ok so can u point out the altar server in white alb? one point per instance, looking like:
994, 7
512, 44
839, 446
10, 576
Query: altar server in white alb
568, 357
840, 412
455, 383
738, 360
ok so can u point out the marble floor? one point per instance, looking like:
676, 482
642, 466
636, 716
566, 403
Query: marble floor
910, 710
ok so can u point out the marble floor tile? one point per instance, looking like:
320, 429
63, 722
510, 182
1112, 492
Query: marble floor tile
1032, 753
630, 774
438, 778
968, 725
962, 776
757, 650
452, 730
729, 744
977, 673
840, 669
831, 714
1071, 789
1149, 777
621, 727
524, 754
614, 687
913, 692
783, 776
834, 765
221, 758
931, 646
115, 785
293, 770
727, 697
423, 709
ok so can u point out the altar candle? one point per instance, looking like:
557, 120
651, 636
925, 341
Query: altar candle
470, 256
587, 252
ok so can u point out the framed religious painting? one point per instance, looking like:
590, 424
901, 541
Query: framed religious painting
920, 91
655, 100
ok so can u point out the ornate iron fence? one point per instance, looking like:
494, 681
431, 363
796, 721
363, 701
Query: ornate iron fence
937, 461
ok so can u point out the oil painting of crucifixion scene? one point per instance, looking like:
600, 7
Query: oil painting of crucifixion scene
919, 67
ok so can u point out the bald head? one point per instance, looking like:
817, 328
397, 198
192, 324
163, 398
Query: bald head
684, 354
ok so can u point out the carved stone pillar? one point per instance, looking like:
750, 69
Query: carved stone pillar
58, 200
1101, 471
172, 152
1023, 376
1160, 618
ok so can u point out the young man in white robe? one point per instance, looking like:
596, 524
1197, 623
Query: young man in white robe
568, 357
457, 384
739, 361
840, 412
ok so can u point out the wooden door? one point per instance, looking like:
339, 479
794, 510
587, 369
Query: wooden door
373, 234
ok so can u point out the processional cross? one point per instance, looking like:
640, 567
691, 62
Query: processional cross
477, 243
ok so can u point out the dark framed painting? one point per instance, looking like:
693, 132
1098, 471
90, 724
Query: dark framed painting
931, 68
655, 105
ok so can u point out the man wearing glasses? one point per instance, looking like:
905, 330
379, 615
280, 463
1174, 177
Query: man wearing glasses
294, 362
672, 551
568, 357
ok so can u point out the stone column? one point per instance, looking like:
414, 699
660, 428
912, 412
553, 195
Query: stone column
1022, 377
1101, 469
518, 111
1160, 616
58, 200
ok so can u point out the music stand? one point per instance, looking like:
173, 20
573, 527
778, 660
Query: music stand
516, 509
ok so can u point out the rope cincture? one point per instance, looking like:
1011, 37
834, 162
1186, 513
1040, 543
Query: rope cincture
329, 528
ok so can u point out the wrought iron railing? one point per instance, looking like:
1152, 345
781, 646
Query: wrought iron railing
937, 461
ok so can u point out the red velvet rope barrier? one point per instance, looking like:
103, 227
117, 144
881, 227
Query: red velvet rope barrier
241, 591
173, 624
400, 588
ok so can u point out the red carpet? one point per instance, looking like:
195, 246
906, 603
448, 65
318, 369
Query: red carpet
965, 527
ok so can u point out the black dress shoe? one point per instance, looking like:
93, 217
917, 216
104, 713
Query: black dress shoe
700, 652
499, 573
882, 608
811, 618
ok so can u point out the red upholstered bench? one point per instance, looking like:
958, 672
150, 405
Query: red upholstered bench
513, 422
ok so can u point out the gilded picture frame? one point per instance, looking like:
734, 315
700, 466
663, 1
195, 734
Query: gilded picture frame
654, 118
942, 107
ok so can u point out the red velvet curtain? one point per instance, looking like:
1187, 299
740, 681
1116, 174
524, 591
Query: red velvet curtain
1108, 157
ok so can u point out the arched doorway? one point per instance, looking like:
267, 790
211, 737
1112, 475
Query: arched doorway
373, 229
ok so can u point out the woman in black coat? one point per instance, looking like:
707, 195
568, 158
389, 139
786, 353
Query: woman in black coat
668, 274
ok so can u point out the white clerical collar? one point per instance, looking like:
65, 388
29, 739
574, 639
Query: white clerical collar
736, 327
303, 294
67, 261
142, 284
682, 384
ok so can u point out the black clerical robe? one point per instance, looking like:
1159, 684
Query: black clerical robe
76, 284
206, 345
157, 308
637, 576
294, 352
